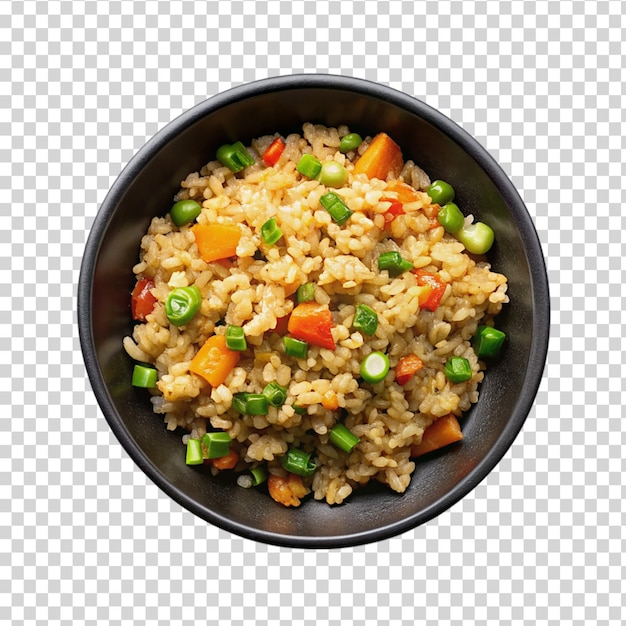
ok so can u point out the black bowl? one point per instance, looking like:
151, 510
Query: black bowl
145, 188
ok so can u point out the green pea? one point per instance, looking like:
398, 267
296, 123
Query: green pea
440, 192
185, 211
451, 218
477, 237
333, 174
350, 142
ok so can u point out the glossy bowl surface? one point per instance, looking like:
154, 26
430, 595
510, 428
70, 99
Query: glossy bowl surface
145, 188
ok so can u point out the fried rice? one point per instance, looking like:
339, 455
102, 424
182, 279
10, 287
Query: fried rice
255, 290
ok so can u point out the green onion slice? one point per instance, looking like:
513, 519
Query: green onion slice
276, 394
341, 437
250, 403
234, 156
295, 347
305, 293
336, 207
270, 232
299, 462
144, 376
365, 319
194, 452
375, 367
393, 262
216, 444
235, 338
259, 475
182, 304
309, 166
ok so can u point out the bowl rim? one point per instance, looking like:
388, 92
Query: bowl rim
531, 243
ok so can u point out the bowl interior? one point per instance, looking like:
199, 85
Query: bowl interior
146, 188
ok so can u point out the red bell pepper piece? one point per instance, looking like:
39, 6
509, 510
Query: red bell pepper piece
312, 322
437, 285
142, 301
281, 325
407, 366
393, 211
273, 152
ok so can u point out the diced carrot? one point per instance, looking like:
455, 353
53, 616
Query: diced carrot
437, 285
225, 462
406, 193
382, 159
286, 490
290, 289
216, 241
433, 222
312, 322
142, 301
443, 432
330, 401
407, 366
214, 361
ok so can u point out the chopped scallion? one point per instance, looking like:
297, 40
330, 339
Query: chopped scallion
182, 304
393, 262
234, 156
375, 367
305, 293
194, 452
216, 444
299, 462
341, 437
270, 232
336, 207
250, 403
365, 319
259, 475
236, 338
143, 376
276, 394
309, 166
295, 347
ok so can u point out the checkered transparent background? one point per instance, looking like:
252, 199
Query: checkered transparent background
85, 537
